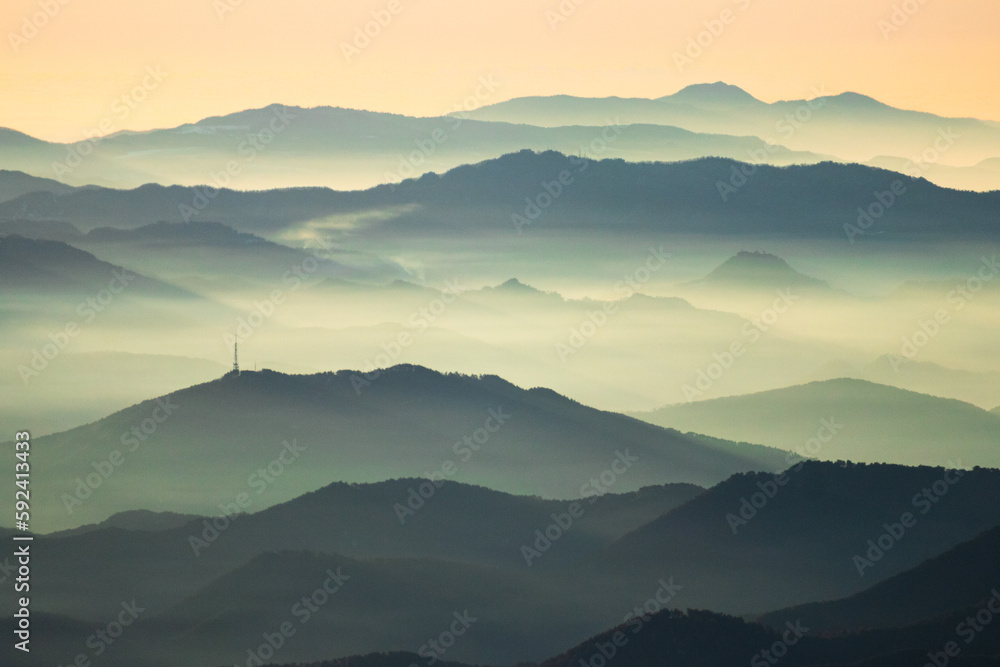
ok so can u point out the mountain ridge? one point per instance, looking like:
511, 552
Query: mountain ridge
898, 425
358, 426
683, 197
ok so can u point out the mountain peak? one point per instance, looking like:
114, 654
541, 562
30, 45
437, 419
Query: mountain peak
759, 268
515, 284
718, 94
860, 101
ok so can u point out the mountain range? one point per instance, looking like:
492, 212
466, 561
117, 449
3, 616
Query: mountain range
281, 146
709, 196
222, 584
557, 382
285, 146
849, 125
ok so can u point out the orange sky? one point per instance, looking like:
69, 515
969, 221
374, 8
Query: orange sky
68, 75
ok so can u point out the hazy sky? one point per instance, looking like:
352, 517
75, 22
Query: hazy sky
61, 75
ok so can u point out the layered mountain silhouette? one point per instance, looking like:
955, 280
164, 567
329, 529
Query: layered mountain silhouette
848, 419
216, 253
849, 125
401, 519
293, 146
362, 427
703, 638
144, 520
507, 288
981, 388
805, 201
58, 269
16, 183
755, 543
961, 578
222, 583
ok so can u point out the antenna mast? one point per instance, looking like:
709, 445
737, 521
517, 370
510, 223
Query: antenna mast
236, 356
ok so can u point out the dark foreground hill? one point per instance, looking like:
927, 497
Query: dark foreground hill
821, 532
400, 519
959, 578
705, 639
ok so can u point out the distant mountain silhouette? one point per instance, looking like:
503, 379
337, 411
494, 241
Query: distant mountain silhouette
871, 423
981, 388
143, 520
218, 253
360, 427
713, 95
16, 183
982, 176
41, 230
806, 202
314, 145
849, 125
759, 270
61, 270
